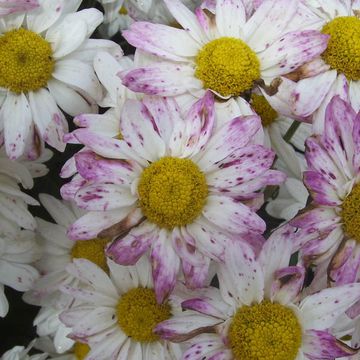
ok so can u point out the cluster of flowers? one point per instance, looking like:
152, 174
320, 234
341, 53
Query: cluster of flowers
156, 250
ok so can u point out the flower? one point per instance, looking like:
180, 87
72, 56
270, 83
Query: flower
16, 255
13, 201
186, 186
330, 227
45, 62
337, 70
117, 312
256, 313
12, 6
227, 53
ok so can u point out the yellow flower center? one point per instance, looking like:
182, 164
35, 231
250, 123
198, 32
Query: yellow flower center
172, 192
26, 62
265, 331
343, 50
92, 250
261, 106
350, 213
227, 66
123, 11
81, 350
138, 313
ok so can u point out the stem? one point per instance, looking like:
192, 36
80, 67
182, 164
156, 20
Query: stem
292, 130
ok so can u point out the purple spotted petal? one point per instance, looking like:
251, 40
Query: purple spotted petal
319, 345
165, 265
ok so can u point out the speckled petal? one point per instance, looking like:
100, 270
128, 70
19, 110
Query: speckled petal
129, 249
162, 78
161, 40
323, 345
319, 311
165, 265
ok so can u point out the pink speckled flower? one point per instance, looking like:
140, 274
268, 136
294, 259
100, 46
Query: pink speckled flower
226, 52
330, 229
256, 314
187, 185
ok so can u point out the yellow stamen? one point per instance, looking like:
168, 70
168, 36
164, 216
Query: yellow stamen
138, 313
265, 331
26, 62
350, 213
92, 250
123, 11
227, 66
343, 50
172, 192
81, 350
261, 106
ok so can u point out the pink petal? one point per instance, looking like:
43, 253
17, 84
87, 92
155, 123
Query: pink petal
162, 78
319, 345
165, 266
161, 40
129, 249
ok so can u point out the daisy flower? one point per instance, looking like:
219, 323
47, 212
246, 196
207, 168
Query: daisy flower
256, 313
116, 313
337, 70
187, 185
13, 6
13, 202
59, 251
44, 63
225, 52
330, 228
16, 255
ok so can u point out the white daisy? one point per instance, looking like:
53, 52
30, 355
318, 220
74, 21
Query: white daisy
13, 202
116, 313
58, 252
16, 255
45, 62
256, 314
13, 6
227, 53
187, 183
337, 71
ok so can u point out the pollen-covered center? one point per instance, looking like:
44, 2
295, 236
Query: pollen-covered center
26, 62
261, 106
81, 350
265, 331
138, 313
172, 192
343, 50
350, 213
92, 250
227, 66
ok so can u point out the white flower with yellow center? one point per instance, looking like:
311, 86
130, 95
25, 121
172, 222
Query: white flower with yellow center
17, 253
256, 314
14, 202
185, 187
116, 313
337, 71
58, 252
45, 62
227, 53
13, 6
